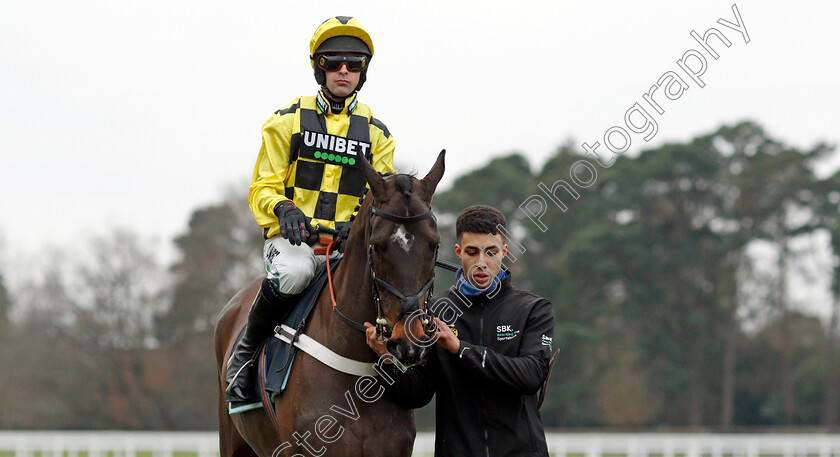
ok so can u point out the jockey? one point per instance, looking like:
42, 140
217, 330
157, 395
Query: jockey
307, 173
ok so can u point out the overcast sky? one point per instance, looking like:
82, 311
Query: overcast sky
132, 114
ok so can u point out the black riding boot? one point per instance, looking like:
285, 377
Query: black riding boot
269, 308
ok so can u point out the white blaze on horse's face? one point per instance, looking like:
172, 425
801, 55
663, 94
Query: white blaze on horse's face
403, 238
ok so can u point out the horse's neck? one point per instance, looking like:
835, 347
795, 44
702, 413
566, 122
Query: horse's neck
354, 298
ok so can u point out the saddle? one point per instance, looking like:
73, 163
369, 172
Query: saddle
276, 357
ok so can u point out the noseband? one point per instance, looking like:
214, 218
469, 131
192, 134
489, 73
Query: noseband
408, 304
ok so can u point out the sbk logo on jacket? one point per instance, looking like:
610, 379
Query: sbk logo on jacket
546, 340
332, 149
506, 332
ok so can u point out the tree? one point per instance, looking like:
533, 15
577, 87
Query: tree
761, 389
831, 405
6, 351
655, 273
5, 303
114, 299
84, 348
778, 185
221, 252
5, 296
829, 191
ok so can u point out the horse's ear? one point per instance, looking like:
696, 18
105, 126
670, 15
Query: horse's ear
432, 178
376, 182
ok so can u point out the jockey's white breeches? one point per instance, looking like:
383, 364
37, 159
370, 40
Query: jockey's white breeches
290, 267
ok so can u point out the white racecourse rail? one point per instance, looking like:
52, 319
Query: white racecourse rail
206, 444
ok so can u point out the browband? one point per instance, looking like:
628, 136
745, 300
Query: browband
395, 218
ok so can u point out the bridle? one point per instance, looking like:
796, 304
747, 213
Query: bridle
408, 304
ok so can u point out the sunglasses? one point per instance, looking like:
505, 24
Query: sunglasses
333, 63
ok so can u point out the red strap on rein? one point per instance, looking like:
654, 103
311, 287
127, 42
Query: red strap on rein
325, 243
329, 273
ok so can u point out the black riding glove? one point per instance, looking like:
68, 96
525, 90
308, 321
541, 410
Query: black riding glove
292, 222
341, 238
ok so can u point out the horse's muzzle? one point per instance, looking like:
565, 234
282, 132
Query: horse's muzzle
408, 354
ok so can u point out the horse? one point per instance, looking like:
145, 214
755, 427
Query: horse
389, 255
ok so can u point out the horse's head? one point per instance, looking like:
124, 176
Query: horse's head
402, 243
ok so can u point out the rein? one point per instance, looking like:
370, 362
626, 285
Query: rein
346, 319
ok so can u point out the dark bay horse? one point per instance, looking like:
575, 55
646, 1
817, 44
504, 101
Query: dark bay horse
324, 411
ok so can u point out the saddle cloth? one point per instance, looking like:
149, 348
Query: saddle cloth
277, 357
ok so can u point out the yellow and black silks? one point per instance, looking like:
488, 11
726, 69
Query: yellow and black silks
312, 156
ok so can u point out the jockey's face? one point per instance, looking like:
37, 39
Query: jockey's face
481, 257
343, 82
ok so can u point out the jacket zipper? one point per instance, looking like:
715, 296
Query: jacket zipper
483, 400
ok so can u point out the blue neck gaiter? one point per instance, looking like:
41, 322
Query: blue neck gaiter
471, 291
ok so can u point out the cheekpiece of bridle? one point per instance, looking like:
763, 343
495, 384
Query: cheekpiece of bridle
408, 304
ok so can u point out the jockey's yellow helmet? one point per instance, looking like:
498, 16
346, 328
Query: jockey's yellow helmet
339, 34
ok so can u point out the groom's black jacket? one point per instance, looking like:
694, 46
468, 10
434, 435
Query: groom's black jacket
486, 393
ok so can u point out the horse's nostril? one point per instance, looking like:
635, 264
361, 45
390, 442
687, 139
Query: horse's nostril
397, 348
